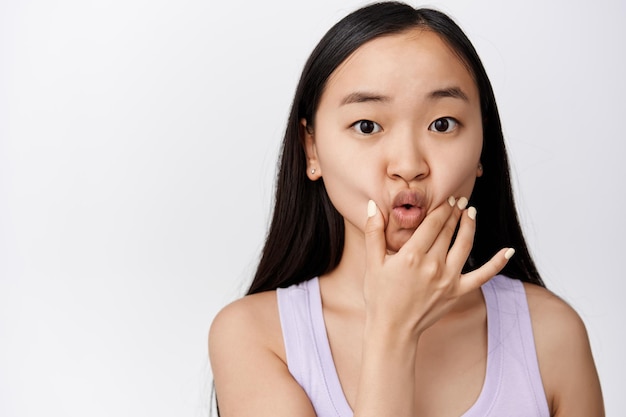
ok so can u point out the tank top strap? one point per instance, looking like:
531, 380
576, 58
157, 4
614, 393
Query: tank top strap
309, 357
513, 385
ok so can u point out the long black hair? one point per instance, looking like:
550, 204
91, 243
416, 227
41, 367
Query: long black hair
306, 236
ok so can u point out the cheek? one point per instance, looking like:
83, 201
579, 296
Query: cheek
454, 177
443, 189
344, 178
350, 181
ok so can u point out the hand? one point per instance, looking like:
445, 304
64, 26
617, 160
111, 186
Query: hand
413, 288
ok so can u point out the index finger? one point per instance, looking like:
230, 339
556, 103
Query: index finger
427, 232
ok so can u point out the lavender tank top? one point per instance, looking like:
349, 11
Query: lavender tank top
512, 385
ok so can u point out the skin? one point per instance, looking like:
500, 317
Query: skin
406, 153
402, 346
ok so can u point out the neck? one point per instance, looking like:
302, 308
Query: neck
345, 282
347, 277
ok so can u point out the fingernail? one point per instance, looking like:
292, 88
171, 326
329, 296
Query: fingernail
471, 212
371, 208
509, 253
462, 203
451, 201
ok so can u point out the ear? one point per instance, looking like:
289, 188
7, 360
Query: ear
313, 169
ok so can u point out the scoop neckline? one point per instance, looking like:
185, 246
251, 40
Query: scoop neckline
493, 366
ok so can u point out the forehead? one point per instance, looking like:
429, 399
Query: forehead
411, 63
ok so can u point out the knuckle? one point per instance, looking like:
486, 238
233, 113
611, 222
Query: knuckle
463, 244
431, 268
371, 227
370, 231
411, 259
438, 223
436, 220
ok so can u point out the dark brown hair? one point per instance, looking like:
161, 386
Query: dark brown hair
306, 235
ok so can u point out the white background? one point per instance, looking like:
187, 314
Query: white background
138, 143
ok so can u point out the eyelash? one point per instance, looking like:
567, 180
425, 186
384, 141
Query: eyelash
451, 122
452, 125
358, 127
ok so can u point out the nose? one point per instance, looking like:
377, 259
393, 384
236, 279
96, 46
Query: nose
406, 159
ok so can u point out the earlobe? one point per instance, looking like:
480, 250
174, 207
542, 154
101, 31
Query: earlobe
479, 170
313, 170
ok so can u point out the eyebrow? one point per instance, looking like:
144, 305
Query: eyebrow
363, 97
451, 92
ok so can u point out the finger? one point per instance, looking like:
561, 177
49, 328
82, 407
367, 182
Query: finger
473, 280
427, 232
375, 243
460, 250
441, 245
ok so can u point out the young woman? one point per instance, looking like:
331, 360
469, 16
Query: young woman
378, 292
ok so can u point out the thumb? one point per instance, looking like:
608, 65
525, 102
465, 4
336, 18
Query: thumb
375, 244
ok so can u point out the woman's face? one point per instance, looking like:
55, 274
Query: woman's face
399, 123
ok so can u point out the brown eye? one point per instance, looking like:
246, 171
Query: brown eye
366, 127
443, 125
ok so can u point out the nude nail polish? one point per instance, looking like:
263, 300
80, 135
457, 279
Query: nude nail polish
371, 208
471, 213
509, 253
462, 203
451, 201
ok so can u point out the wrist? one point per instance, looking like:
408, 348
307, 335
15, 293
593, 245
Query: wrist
389, 335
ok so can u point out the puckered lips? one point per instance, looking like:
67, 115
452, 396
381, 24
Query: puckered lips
408, 209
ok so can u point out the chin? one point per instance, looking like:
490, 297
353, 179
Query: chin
396, 240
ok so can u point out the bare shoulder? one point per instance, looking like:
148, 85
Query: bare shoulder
565, 360
557, 327
247, 356
251, 320
551, 316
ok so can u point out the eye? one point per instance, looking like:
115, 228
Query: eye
443, 125
367, 127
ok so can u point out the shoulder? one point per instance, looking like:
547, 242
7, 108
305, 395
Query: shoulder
564, 354
252, 319
551, 316
247, 357
557, 327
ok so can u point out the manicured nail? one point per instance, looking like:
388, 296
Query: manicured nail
462, 203
471, 212
451, 201
509, 253
371, 208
